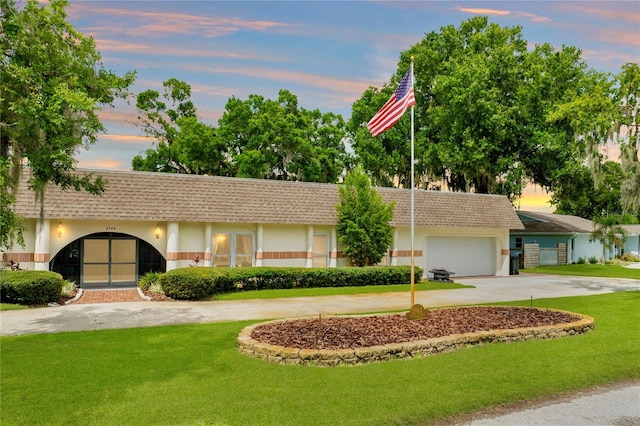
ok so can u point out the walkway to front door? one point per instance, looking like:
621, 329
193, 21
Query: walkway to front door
110, 296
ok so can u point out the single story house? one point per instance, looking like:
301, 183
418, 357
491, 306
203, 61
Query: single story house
554, 239
160, 221
632, 243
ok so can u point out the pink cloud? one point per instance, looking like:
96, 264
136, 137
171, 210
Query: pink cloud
619, 36
608, 56
118, 115
533, 17
210, 117
150, 23
101, 163
355, 88
605, 12
119, 46
105, 45
128, 139
498, 12
483, 11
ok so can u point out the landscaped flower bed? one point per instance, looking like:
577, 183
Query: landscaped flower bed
331, 341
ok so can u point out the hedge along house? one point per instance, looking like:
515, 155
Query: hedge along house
159, 221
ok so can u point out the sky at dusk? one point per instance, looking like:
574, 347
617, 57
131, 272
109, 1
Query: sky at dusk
325, 52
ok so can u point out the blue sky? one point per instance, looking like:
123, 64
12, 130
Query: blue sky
325, 52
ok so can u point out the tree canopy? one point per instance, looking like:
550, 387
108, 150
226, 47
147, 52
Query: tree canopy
577, 194
482, 114
607, 112
184, 144
53, 83
492, 116
256, 137
628, 103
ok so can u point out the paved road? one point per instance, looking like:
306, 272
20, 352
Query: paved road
147, 314
618, 407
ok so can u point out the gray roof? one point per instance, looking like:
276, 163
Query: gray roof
150, 196
538, 222
632, 229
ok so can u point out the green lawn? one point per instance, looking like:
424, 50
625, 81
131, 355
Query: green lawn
587, 270
193, 375
334, 291
11, 307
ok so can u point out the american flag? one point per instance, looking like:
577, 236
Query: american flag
391, 112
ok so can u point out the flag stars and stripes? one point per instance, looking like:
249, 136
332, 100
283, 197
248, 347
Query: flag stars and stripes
403, 98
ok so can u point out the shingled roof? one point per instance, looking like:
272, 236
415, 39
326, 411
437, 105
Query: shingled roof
149, 196
538, 222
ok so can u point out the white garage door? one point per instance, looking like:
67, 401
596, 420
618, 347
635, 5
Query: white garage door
465, 256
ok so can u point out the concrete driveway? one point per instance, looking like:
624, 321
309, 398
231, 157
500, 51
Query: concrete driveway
525, 287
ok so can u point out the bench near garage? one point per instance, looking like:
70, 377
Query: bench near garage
441, 275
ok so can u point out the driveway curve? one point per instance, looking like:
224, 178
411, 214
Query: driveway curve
147, 314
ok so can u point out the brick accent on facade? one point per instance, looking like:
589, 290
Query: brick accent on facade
188, 255
19, 257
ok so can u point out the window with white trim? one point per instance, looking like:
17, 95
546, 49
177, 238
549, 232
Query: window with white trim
232, 250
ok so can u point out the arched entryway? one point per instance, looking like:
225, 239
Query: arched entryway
107, 260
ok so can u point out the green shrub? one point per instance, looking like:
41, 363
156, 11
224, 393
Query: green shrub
581, 261
156, 288
68, 287
30, 287
149, 279
593, 260
191, 283
628, 257
198, 283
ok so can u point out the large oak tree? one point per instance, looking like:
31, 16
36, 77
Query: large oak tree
256, 138
482, 113
53, 84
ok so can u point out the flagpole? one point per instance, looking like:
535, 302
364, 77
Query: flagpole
413, 279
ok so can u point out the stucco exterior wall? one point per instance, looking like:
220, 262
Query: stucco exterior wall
632, 244
63, 232
281, 245
283, 238
586, 248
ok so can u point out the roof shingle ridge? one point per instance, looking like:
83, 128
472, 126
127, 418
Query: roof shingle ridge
274, 181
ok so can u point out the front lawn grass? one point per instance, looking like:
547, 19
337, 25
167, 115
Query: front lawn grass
587, 270
11, 307
193, 375
336, 291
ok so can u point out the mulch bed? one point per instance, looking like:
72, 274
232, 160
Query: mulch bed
157, 297
357, 332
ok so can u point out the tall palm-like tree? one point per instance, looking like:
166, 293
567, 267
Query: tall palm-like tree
609, 233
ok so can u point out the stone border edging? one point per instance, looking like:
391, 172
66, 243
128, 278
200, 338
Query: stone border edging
75, 299
419, 348
142, 295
